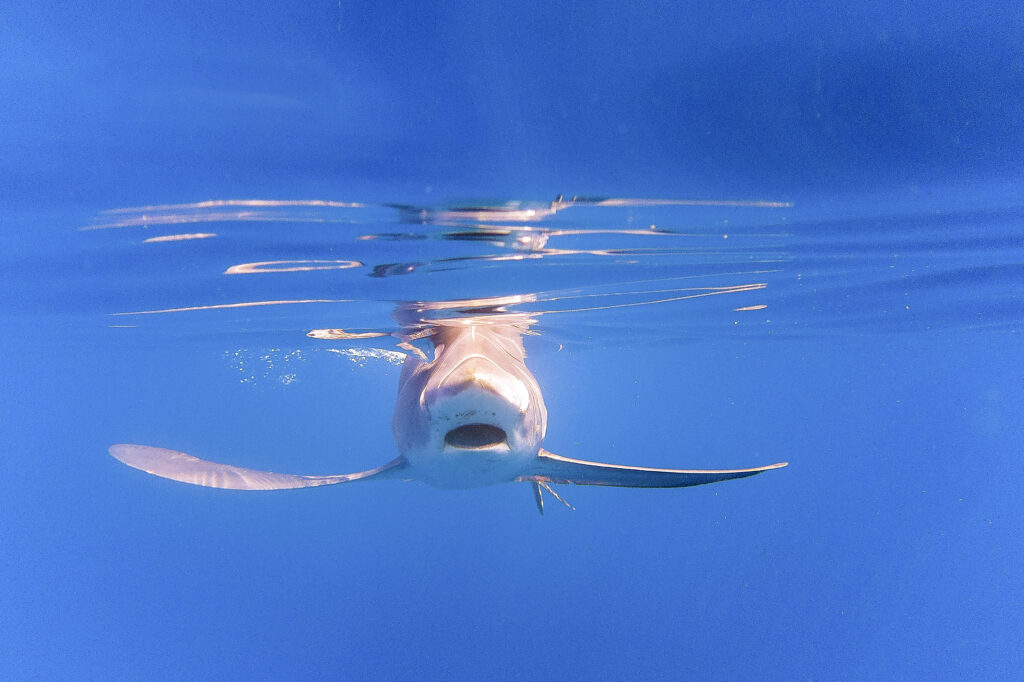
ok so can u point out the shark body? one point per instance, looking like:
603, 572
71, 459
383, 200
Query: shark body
472, 416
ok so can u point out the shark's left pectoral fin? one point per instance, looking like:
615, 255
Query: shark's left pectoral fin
552, 468
180, 466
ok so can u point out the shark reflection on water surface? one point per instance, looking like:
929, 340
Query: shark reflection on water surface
472, 415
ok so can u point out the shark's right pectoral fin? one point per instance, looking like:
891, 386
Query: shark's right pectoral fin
552, 468
179, 466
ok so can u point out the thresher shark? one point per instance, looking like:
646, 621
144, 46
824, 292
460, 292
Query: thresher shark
471, 416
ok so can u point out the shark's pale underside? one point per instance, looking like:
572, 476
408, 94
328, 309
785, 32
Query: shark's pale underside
472, 416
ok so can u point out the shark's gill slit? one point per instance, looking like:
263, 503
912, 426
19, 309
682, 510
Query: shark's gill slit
475, 436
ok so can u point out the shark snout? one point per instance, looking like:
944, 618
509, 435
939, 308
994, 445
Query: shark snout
476, 405
478, 382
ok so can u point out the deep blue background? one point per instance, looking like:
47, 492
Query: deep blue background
131, 100
889, 547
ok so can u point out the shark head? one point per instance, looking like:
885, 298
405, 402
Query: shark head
474, 415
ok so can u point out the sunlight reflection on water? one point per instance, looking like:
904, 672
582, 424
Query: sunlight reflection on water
342, 265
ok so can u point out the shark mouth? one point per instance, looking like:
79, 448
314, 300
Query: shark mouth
475, 437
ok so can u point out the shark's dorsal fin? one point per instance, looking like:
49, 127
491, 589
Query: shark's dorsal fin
179, 466
552, 468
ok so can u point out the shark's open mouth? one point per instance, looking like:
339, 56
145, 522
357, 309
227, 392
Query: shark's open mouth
475, 436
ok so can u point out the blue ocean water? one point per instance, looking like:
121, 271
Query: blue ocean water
744, 234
